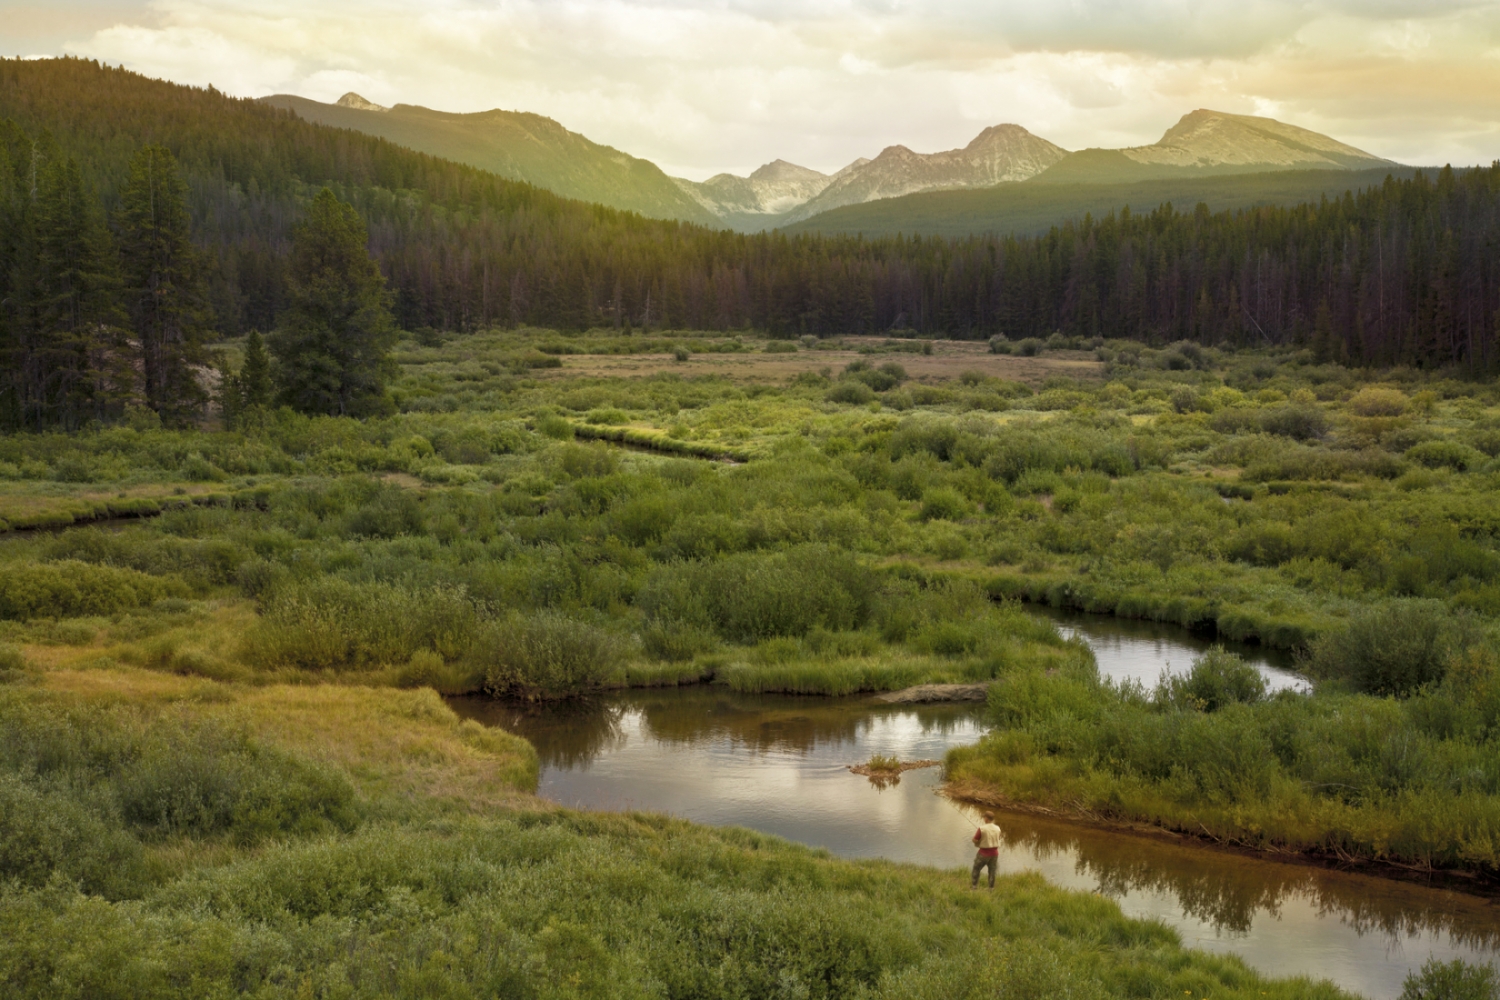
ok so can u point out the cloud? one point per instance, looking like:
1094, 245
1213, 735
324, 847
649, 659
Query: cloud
701, 87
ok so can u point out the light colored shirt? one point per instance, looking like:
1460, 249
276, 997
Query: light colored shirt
988, 839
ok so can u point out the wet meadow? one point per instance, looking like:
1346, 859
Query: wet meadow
225, 765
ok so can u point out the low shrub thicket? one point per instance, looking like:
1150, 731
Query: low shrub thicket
746, 598
1393, 648
330, 623
84, 788
73, 589
546, 653
1216, 680
1455, 980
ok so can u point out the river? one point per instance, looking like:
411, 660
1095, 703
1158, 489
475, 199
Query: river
780, 765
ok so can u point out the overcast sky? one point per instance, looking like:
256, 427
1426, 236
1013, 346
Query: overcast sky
702, 87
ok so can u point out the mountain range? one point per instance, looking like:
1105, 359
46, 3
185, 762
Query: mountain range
538, 150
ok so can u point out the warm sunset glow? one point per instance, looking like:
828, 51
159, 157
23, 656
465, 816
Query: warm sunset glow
705, 87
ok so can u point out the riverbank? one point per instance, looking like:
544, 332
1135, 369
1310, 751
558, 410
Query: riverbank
780, 764
1481, 884
1336, 775
390, 875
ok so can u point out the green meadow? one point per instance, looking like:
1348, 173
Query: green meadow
225, 768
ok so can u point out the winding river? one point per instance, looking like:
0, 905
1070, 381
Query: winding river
779, 765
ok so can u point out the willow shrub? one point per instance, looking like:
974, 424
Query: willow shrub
1216, 680
84, 787
1391, 648
753, 596
72, 589
329, 623
1455, 980
546, 653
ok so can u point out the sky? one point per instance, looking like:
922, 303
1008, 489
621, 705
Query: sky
726, 85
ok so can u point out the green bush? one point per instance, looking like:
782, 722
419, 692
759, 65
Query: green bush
581, 461
328, 623
201, 561
944, 504
83, 786
390, 513
1296, 422
749, 597
1455, 980
1453, 455
851, 392
48, 831
676, 642
204, 780
1379, 402
553, 426
1217, 679
73, 589
1393, 648
12, 661
546, 654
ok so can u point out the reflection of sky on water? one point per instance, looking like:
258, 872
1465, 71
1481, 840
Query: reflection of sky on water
779, 765
1140, 650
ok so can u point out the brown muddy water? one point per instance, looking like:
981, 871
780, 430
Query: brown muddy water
780, 765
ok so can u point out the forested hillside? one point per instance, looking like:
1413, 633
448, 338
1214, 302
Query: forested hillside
1403, 272
1033, 208
517, 145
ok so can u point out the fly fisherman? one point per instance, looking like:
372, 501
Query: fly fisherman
987, 839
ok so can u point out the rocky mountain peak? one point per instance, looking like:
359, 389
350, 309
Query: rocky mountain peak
781, 172
353, 100
1207, 138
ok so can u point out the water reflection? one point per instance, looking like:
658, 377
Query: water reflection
569, 734
1140, 650
779, 765
1230, 892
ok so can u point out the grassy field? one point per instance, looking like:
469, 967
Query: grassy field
548, 513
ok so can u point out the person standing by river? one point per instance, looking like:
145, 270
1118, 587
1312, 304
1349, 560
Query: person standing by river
987, 839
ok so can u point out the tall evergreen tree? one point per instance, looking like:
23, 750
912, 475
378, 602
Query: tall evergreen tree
337, 330
162, 288
255, 373
244, 393
73, 359
12, 221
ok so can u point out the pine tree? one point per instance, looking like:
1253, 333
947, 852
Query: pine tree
12, 209
74, 360
162, 288
255, 374
331, 348
1324, 346
230, 395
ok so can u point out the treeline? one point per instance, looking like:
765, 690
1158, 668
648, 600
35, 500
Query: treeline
98, 320
1407, 272
95, 319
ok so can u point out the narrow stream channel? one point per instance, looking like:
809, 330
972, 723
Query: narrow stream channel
779, 765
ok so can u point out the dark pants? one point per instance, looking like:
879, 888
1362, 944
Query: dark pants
980, 863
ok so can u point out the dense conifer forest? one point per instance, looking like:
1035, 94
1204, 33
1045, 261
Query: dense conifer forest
1405, 272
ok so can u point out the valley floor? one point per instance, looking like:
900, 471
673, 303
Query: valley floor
224, 767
